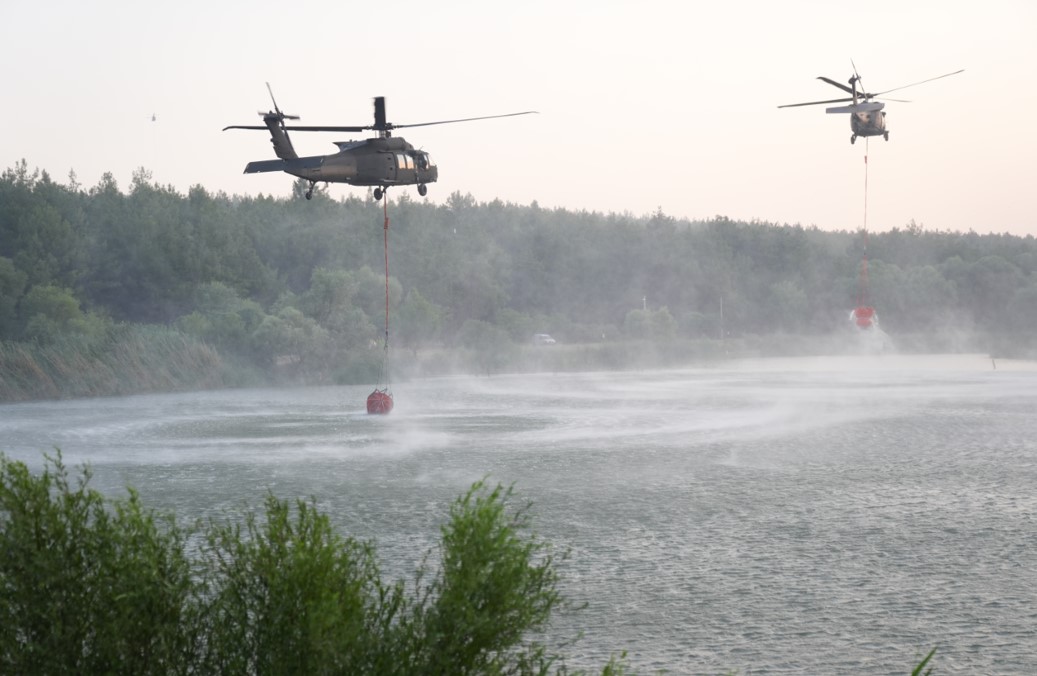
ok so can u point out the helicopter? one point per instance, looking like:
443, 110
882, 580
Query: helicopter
867, 117
382, 161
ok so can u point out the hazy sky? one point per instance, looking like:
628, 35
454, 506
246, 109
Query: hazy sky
643, 105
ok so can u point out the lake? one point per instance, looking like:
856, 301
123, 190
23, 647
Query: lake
821, 515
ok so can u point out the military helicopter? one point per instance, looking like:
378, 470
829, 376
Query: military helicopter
382, 161
866, 116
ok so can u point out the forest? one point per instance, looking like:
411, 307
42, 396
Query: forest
110, 291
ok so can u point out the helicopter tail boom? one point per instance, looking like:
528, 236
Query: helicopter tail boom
290, 165
263, 166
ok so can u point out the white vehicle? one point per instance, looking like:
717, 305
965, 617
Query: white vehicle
543, 339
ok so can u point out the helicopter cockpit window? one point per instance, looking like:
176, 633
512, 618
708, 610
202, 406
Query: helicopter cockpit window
421, 159
404, 161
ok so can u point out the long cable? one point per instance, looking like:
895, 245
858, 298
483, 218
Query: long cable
866, 184
862, 291
385, 228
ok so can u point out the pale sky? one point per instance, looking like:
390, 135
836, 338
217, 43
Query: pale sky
643, 104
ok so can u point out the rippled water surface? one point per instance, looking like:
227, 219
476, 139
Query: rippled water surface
773, 516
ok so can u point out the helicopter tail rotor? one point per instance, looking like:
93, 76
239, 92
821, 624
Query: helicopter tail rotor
281, 117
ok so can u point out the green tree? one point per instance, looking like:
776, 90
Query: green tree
418, 321
87, 589
292, 597
12, 288
331, 293
496, 584
45, 246
370, 293
336, 301
49, 311
223, 317
650, 324
291, 334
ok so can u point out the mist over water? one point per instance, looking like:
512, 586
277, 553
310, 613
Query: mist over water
828, 515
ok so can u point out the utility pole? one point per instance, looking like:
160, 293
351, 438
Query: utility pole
721, 318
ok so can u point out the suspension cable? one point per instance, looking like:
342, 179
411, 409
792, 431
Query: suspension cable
862, 291
385, 229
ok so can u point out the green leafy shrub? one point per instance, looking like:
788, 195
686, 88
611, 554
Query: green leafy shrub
85, 588
290, 596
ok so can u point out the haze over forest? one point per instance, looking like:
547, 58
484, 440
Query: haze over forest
239, 284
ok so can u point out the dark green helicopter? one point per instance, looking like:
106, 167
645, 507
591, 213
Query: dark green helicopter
382, 161
867, 117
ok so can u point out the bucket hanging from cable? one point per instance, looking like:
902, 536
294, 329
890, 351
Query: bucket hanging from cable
864, 314
381, 400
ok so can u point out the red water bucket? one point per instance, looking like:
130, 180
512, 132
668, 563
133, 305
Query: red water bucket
379, 402
863, 316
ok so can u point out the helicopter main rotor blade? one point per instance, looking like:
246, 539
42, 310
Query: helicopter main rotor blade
858, 82
243, 126
389, 126
332, 128
860, 94
832, 82
938, 77
466, 119
814, 103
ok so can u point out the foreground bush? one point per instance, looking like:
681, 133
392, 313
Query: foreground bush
89, 585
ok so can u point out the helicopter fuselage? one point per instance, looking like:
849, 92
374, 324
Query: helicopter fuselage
866, 118
382, 162
869, 123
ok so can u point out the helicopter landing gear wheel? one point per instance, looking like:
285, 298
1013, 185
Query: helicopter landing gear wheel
886, 136
422, 189
378, 194
309, 193
853, 139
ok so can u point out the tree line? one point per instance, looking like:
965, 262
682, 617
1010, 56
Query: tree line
267, 281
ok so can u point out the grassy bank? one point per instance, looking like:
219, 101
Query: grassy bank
126, 360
